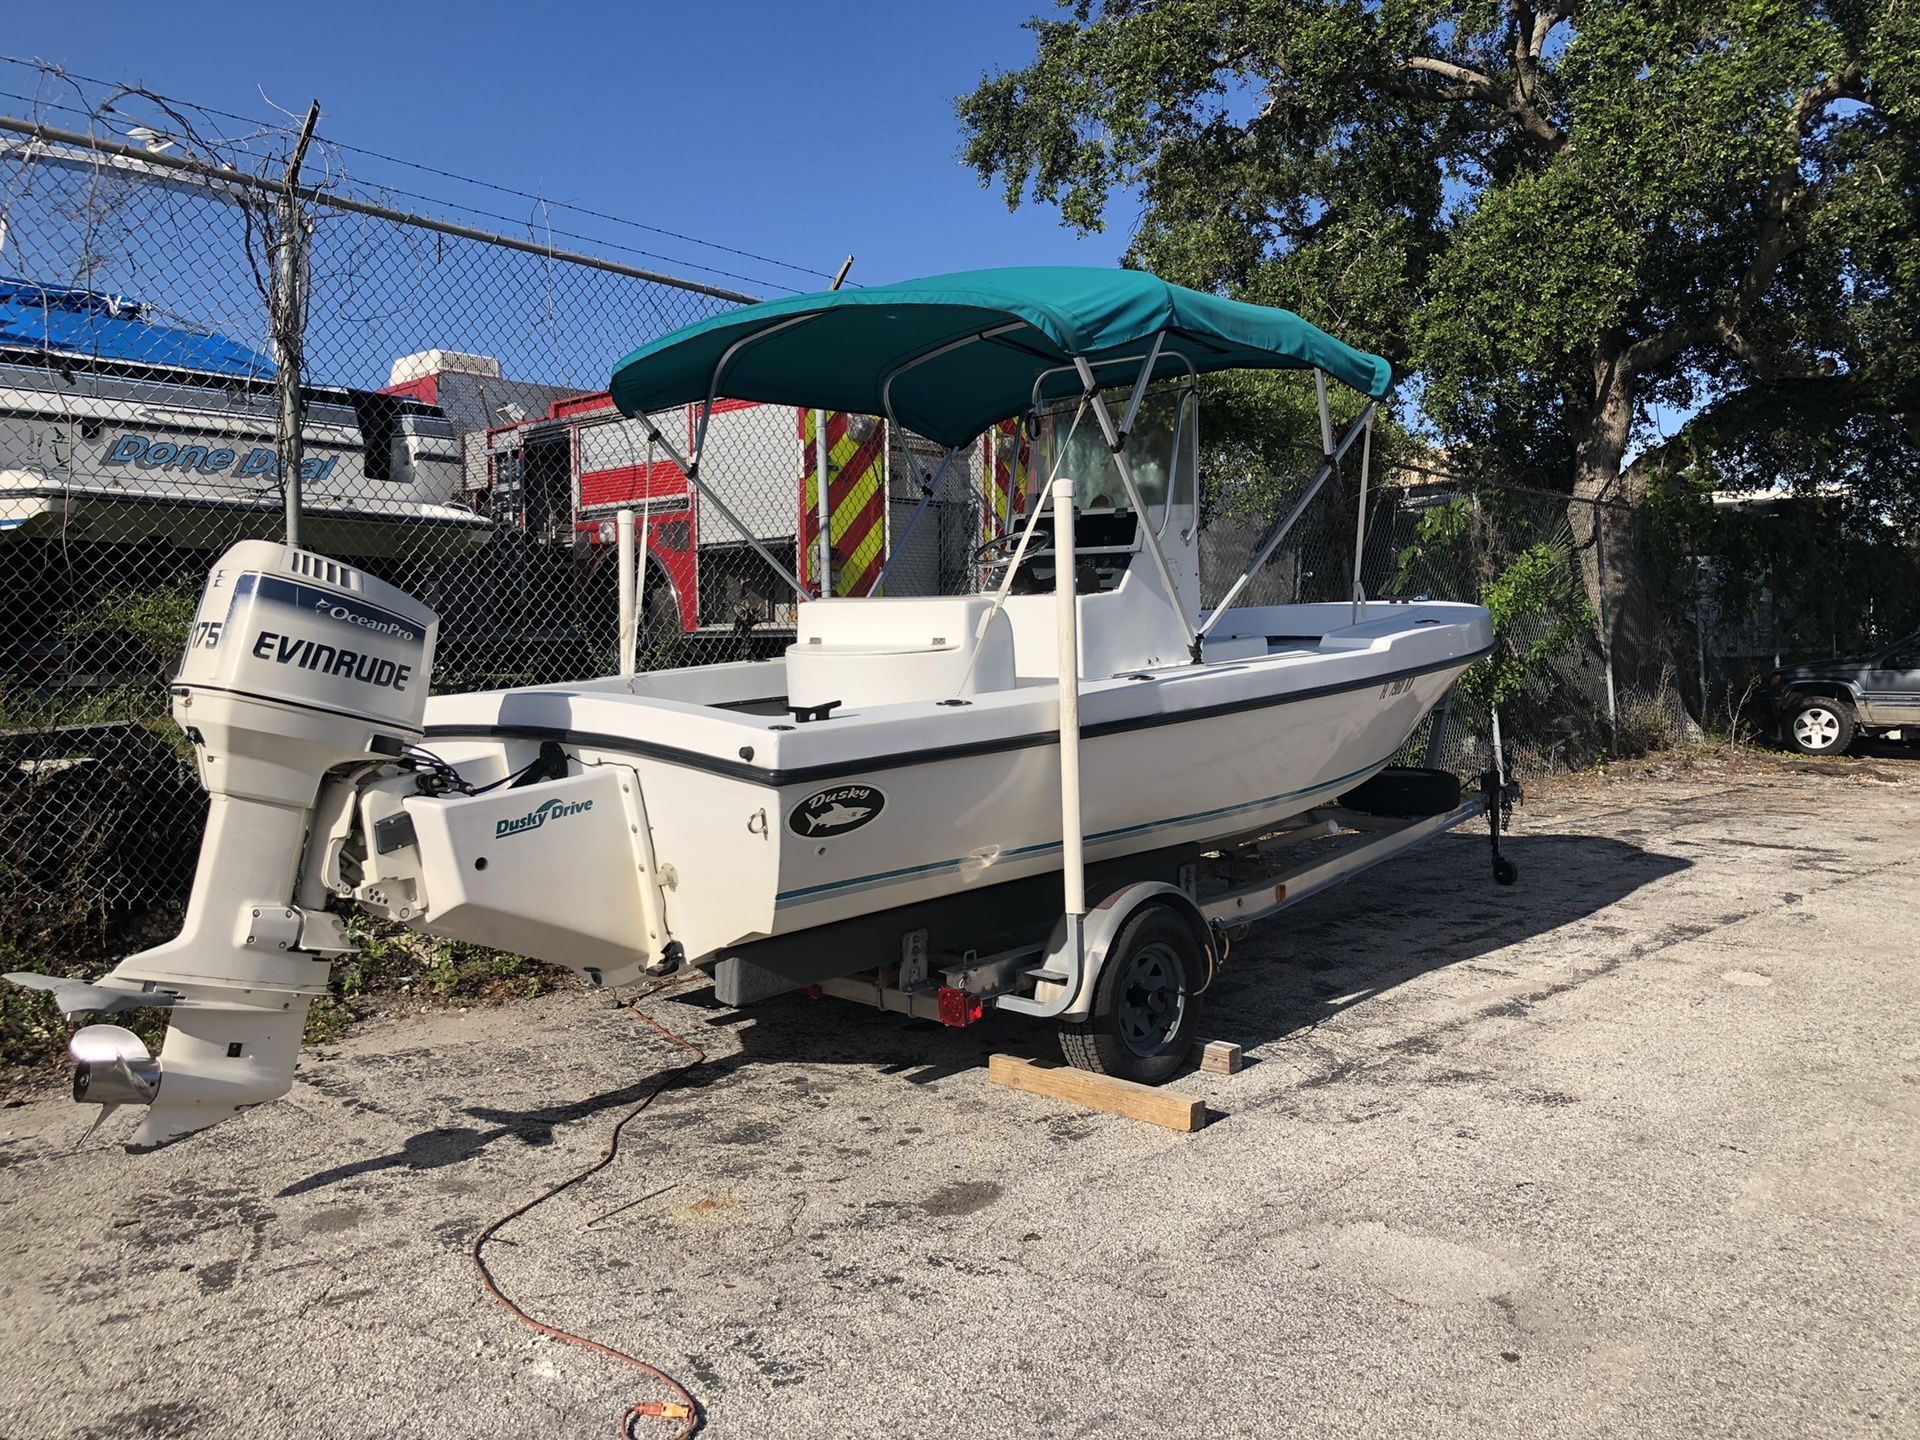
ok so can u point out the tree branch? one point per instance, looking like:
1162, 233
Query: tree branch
1467, 84
1781, 198
1544, 23
1786, 188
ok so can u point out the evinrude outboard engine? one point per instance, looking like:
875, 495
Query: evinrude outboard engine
299, 673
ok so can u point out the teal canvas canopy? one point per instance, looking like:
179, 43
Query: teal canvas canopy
962, 352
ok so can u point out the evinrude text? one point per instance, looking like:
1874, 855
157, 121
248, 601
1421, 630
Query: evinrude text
327, 659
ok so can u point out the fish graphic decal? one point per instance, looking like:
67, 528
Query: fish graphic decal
836, 811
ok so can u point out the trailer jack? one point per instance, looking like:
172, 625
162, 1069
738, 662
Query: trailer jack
1499, 796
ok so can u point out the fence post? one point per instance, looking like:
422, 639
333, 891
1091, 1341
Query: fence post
1606, 633
821, 468
287, 320
1700, 630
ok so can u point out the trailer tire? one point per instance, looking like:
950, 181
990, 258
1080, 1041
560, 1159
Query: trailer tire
1146, 1003
1403, 790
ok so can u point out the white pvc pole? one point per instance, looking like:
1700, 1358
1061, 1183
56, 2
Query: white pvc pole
826, 507
1067, 636
629, 616
1360, 520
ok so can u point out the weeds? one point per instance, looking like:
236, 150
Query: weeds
390, 963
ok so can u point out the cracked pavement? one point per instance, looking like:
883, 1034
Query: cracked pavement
1628, 1148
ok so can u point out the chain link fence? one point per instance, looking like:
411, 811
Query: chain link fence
455, 438
1548, 695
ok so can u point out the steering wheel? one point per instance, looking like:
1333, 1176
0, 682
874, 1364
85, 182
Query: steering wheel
990, 553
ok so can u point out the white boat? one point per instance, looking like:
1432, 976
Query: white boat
119, 427
1000, 789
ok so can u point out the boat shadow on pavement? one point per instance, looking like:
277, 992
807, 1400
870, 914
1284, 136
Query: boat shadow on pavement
1436, 908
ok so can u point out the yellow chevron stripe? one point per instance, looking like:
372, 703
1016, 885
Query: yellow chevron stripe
853, 574
857, 499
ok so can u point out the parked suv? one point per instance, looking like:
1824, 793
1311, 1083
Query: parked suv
1820, 708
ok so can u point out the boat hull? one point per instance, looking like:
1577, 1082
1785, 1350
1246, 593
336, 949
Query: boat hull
971, 822
767, 827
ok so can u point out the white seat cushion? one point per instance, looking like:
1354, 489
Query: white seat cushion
885, 652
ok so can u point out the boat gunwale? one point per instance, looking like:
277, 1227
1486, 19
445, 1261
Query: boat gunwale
839, 769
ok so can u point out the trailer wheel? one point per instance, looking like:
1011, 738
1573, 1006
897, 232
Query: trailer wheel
1145, 1005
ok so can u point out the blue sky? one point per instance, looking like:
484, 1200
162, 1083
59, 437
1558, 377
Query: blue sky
800, 132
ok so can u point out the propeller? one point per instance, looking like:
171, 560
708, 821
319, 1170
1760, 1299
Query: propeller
113, 1067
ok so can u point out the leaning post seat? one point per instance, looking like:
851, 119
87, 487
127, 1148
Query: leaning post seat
870, 652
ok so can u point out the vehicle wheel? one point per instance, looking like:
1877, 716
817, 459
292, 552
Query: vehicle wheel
1819, 725
1504, 871
1145, 1009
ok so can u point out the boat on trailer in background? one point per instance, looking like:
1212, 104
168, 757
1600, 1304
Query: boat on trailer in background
120, 426
1040, 798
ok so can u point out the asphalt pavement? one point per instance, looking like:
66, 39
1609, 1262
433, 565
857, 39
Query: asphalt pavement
1632, 1148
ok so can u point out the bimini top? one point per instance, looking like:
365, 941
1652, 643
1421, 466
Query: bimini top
963, 351
86, 325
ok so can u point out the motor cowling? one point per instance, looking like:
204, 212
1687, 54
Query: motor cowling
296, 664
297, 668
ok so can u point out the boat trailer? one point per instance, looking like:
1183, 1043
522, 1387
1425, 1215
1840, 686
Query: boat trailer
1222, 895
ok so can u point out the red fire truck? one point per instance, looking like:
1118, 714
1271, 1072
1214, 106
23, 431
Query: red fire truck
562, 477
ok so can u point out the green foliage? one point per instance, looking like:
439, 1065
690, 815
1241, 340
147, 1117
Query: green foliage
1821, 573
1555, 220
1539, 608
143, 628
390, 959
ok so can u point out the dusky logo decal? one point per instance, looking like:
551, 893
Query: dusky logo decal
836, 811
546, 810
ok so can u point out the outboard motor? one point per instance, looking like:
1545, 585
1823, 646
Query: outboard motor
297, 669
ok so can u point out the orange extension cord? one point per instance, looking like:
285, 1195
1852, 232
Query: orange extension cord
685, 1408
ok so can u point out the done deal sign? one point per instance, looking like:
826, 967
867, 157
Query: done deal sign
145, 453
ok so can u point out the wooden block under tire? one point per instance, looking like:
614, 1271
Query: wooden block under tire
1125, 1098
1220, 1057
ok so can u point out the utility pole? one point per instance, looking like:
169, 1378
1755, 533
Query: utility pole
288, 320
820, 469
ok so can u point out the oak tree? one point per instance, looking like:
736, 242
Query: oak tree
1562, 223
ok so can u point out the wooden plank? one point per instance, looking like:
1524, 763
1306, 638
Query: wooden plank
1221, 1057
1124, 1098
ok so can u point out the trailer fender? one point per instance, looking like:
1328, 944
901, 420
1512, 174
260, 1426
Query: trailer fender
1106, 918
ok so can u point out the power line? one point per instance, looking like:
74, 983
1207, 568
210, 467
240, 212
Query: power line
43, 68
39, 104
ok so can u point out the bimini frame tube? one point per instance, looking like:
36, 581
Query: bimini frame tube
1360, 521
1272, 542
929, 486
1117, 443
690, 466
692, 472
